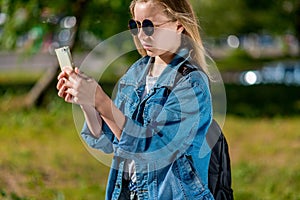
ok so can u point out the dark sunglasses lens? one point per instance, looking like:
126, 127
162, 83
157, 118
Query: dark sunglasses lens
132, 25
148, 27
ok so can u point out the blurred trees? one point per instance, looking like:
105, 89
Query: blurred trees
35, 20
29, 24
27, 20
107, 17
246, 16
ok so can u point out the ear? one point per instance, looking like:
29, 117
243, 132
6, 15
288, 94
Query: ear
180, 27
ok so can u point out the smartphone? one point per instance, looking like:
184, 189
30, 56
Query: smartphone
64, 57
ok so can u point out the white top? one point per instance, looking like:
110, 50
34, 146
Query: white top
130, 172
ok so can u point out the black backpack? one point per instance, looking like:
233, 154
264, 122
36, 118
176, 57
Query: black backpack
219, 172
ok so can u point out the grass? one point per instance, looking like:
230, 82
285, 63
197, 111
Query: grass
19, 77
42, 157
265, 159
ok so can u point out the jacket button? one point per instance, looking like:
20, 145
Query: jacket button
118, 186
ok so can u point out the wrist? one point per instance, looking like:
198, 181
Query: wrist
86, 107
100, 99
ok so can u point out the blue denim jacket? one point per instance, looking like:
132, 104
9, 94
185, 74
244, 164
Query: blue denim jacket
164, 132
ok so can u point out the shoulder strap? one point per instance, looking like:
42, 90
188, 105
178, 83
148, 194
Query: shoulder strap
185, 70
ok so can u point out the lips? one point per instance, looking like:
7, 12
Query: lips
146, 46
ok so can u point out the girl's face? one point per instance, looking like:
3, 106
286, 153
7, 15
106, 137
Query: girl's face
167, 33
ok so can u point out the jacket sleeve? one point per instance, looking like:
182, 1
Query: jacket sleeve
185, 116
103, 143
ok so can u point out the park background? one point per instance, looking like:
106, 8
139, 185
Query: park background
255, 45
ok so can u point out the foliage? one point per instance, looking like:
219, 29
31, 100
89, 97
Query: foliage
240, 16
103, 18
263, 100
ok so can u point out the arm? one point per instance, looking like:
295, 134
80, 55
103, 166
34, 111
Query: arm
93, 120
76, 87
185, 117
113, 117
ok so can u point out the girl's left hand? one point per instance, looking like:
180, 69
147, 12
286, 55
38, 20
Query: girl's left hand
80, 88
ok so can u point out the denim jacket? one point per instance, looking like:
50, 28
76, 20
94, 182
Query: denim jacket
164, 132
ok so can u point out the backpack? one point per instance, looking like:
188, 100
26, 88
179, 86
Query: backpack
219, 172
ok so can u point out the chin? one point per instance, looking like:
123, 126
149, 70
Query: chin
154, 52
151, 53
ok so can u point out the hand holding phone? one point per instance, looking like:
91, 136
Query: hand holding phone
64, 57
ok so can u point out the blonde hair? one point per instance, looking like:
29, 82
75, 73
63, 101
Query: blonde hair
182, 11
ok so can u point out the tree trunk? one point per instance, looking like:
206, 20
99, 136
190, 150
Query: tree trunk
36, 95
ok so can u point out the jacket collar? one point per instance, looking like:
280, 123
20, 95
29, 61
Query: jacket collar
168, 76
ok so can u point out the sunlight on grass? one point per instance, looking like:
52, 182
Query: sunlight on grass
42, 157
16, 77
265, 162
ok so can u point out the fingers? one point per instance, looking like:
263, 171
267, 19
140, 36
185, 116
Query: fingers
60, 83
68, 70
62, 74
64, 84
69, 98
72, 92
66, 73
62, 78
76, 87
62, 91
72, 75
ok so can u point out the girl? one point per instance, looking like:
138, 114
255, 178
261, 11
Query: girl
157, 124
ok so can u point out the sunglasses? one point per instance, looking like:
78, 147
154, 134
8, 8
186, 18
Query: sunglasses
147, 26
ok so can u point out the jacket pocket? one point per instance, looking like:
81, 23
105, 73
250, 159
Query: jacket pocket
153, 108
190, 181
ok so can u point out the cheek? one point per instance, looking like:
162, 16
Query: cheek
166, 40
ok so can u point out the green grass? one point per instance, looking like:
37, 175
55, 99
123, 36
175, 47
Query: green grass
18, 77
42, 157
265, 159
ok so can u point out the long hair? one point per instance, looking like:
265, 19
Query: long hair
182, 11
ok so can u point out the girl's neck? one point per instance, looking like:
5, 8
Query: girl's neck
160, 63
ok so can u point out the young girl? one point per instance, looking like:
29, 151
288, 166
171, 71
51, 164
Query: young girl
156, 125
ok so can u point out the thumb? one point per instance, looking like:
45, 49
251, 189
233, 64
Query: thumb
77, 71
68, 70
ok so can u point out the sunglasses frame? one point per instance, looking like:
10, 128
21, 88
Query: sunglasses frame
146, 24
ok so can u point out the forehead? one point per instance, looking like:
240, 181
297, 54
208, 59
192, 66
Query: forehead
149, 10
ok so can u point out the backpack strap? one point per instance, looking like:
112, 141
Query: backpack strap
185, 70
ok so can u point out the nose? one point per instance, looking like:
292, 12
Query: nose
141, 35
